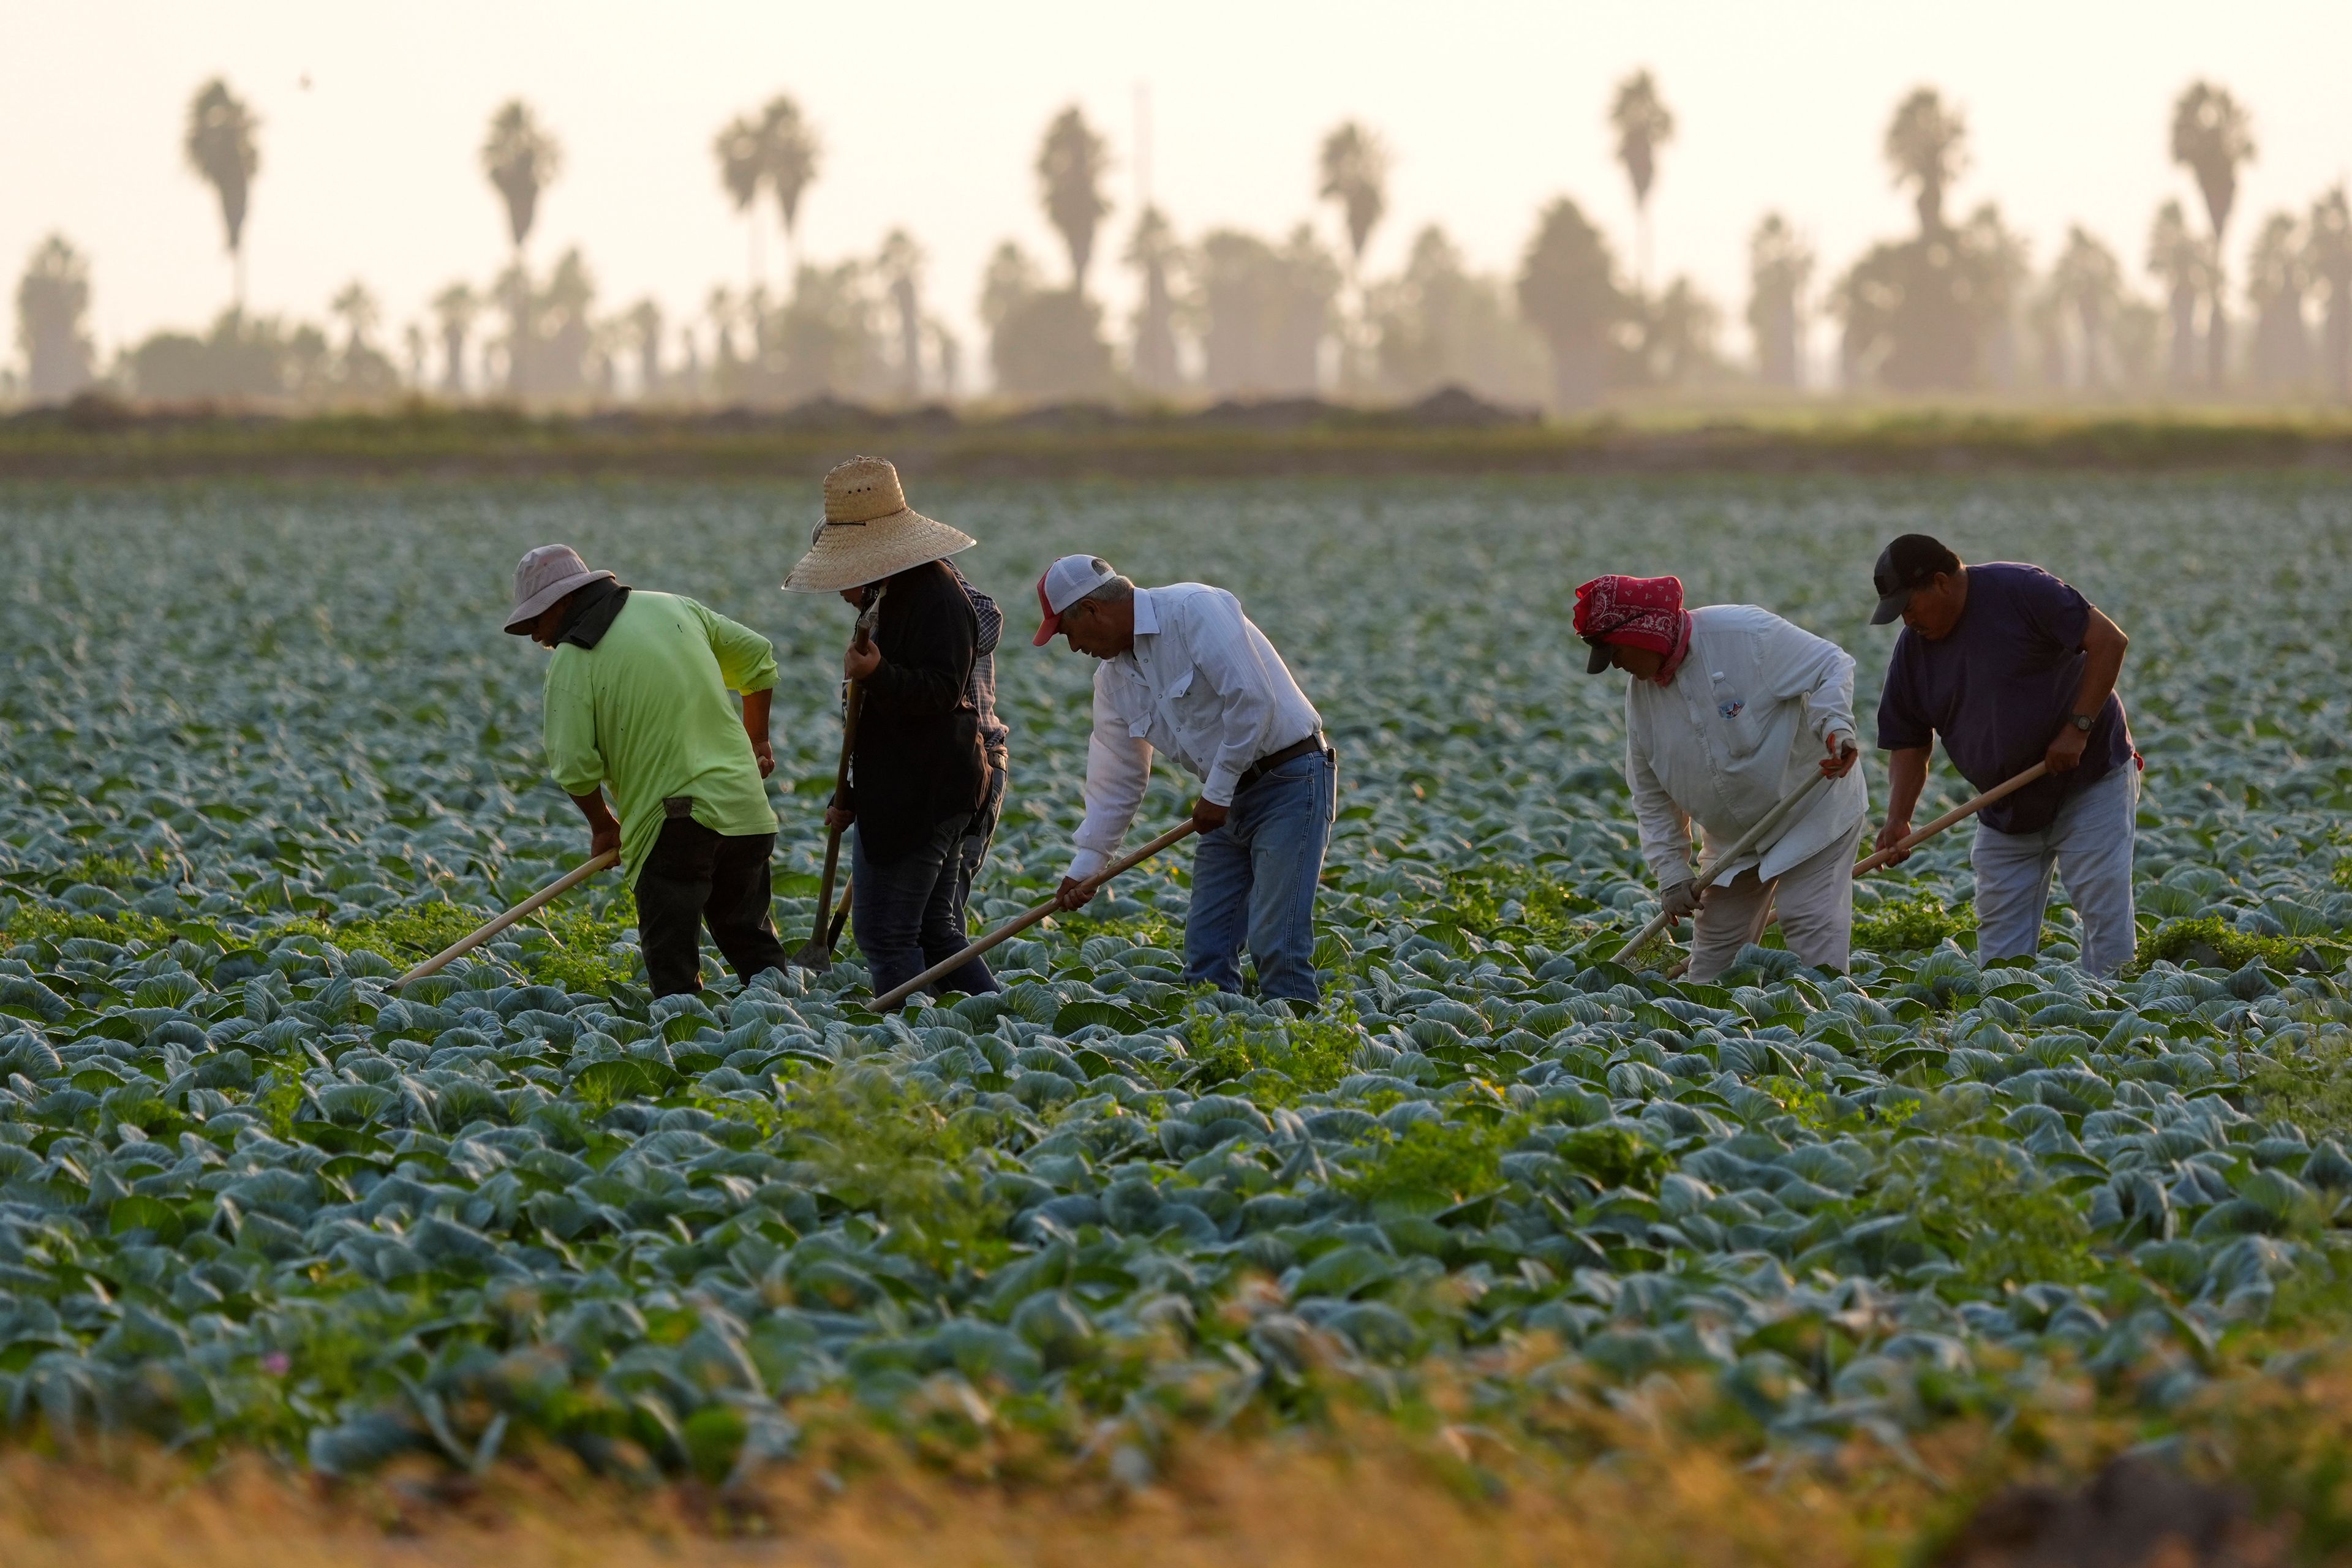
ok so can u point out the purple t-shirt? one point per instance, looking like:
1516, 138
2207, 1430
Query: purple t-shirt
1998, 687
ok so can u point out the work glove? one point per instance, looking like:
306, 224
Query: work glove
1681, 900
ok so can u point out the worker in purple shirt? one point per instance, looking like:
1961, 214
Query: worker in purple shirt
2011, 666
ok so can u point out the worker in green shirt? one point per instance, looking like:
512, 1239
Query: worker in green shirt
637, 700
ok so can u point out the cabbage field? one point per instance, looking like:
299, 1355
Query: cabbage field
265, 746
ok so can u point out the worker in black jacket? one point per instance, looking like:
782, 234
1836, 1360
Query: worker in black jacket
918, 771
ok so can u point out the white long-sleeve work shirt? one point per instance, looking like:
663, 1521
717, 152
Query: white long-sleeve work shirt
1203, 685
1745, 719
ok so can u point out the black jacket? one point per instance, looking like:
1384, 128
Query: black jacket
919, 758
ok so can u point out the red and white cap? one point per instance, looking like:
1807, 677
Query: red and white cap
1065, 582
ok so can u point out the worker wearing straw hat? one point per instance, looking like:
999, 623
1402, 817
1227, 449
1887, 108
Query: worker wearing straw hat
637, 700
1729, 708
920, 771
1185, 673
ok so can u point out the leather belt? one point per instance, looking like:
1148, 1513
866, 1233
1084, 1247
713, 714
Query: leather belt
1273, 760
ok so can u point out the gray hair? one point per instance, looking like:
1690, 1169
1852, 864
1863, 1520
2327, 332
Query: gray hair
1111, 593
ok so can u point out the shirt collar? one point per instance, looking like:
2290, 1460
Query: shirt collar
1146, 619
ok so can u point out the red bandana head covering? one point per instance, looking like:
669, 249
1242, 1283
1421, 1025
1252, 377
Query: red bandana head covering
1637, 611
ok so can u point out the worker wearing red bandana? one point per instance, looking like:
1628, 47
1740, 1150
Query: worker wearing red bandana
1728, 709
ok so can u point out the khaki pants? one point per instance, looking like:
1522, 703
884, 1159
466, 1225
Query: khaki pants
1814, 899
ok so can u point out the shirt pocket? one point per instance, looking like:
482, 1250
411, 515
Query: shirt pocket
1736, 717
1186, 702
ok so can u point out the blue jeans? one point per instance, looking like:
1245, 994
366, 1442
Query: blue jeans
1255, 877
2089, 842
905, 913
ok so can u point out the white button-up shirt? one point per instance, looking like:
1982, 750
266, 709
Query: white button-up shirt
1746, 717
1203, 686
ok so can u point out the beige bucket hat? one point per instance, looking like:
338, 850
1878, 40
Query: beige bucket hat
543, 576
869, 531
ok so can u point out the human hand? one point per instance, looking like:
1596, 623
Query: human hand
1681, 900
604, 837
1841, 757
861, 662
1073, 894
1895, 832
1208, 815
765, 755
838, 818
2065, 753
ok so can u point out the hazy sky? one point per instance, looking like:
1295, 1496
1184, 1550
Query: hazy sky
931, 112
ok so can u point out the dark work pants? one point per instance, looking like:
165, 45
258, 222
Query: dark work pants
905, 912
695, 876
971, 850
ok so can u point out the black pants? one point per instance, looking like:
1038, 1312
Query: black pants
693, 876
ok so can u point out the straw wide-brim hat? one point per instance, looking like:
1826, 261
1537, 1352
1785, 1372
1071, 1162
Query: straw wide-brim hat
869, 531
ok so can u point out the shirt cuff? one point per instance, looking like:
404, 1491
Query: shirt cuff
1085, 864
1217, 789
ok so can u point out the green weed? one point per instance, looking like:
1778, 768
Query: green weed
1437, 1162
883, 1149
2313, 1090
1991, 1210
2234, 948
1906, 925
1313, 1053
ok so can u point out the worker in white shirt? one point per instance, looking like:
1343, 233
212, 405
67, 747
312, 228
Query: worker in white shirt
1186, 673
1728, 709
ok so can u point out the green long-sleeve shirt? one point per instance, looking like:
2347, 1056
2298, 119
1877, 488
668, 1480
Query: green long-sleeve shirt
646, 711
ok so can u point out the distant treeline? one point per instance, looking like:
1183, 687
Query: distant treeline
1953, 307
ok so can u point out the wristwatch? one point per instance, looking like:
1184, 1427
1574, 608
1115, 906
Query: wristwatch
2082, 722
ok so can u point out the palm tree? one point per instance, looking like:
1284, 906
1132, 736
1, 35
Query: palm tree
2211, 135
1355, 173
742, 168
791, 153
1780, 265
455, 308
2275, 281
1071, 163
1568, 292
521, 160
644, 323
52, 313
221, 148
1643, 124
2328, 255
1927, 144
2182, 261
2087, 280
1355, 170
900, 265
1154, 252
355, 306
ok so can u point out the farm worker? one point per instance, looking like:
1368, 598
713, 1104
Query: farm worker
1728, 710
1184, 672
2009, 666
919, 775
637, 701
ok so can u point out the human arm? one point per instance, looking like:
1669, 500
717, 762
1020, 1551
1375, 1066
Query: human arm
1664, 825
747, 661
2103, 645
1906, 775
1119, 766
1800, 665
604, 828
925, 671
755, 726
